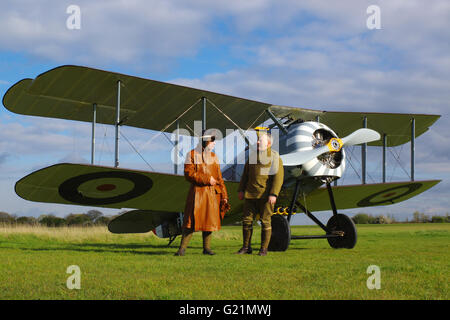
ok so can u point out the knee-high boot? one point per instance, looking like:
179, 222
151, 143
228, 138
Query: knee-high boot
247, 232
207, 235
185, 238
247, 235
266, 234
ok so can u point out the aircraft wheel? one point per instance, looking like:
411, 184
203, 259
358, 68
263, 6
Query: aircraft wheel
281, 234
341, 222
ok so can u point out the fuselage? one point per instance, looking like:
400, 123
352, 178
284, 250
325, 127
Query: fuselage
300, 137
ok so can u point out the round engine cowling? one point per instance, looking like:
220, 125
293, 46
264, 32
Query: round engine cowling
310, 135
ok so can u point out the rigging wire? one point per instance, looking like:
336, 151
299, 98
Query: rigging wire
173, 144
224, 114
397, 158
107, 146
103, 143
132, 146
251, 125
169, 124
160, 132
359, 163
350, 162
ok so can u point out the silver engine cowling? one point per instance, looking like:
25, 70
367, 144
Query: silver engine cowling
307, 136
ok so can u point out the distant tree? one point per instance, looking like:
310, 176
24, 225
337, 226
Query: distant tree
361, 218
382, 219
392, 218
420, 217
372, 219
424, 218
6, 217
94, 215
51, 221
80, 219
26, 220
438, 219
103, 220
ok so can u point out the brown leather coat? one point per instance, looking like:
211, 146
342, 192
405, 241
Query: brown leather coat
202, 210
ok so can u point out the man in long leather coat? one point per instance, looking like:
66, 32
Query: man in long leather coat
207, 200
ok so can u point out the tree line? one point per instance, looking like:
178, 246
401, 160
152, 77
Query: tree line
96, 218
418, 217
90, 218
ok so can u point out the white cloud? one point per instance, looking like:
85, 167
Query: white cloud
111, 31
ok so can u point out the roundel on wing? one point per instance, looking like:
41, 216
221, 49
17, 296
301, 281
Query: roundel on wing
103, 188
389, 195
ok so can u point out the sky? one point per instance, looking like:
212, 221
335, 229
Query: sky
312, 54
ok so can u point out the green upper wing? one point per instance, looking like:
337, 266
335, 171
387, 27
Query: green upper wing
68, 92
396, 126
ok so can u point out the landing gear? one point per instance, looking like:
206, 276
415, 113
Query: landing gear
340, 229
342, 225
281, 234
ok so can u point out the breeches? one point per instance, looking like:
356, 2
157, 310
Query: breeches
257, 207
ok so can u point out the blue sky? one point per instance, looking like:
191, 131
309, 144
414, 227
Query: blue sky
316, 54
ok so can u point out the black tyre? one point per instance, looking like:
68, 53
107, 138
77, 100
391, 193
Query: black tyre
342, 223
281, 234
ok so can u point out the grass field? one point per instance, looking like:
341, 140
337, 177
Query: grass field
413, 260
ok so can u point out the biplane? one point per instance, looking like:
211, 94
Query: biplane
311, 144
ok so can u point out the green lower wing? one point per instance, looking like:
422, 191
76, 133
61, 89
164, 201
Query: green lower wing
358, 196
108, 187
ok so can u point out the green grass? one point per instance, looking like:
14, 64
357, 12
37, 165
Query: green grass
413, 258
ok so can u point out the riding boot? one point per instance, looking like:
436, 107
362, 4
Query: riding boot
247, 232
185, 238
266, 234
207, 235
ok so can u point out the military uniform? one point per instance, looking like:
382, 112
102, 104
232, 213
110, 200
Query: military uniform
261, 178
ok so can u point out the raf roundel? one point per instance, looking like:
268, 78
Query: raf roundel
389, 195
103, 188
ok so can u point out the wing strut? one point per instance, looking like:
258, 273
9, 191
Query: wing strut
364, 155
275, 120
94, 117
413, 138
203, 115
384, 157
116, 149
